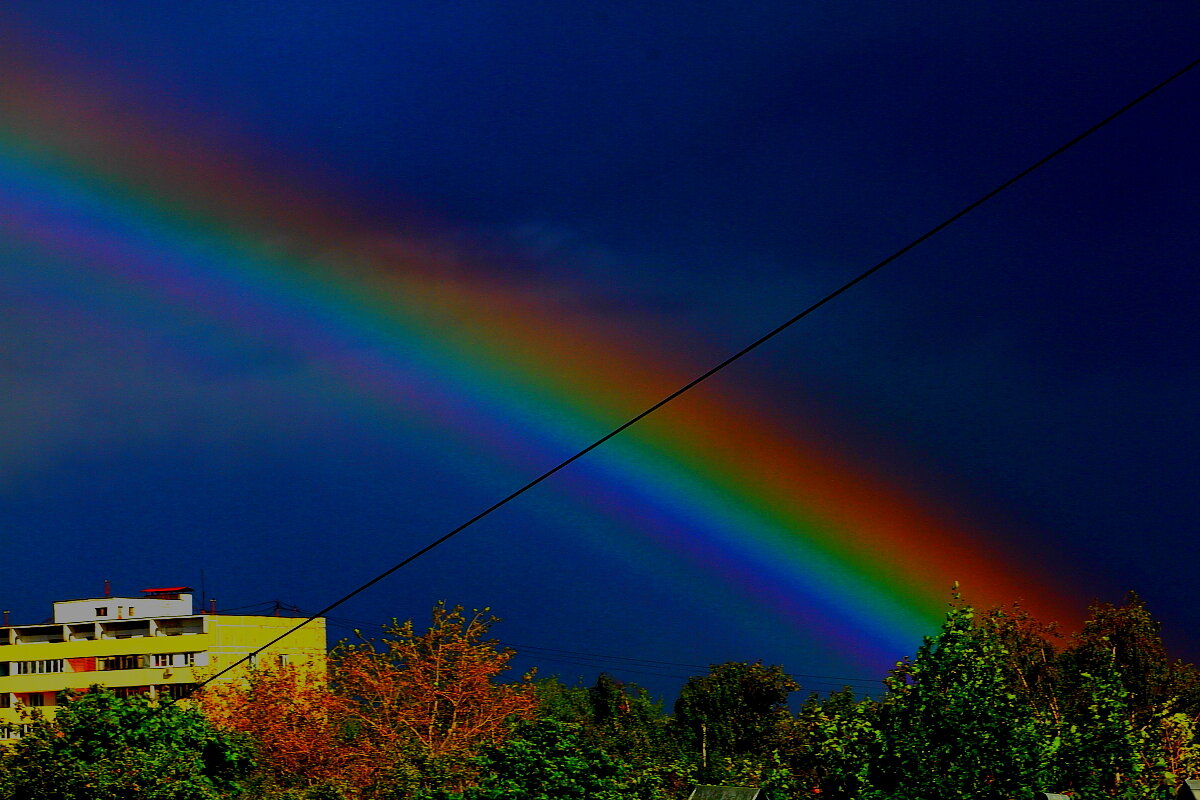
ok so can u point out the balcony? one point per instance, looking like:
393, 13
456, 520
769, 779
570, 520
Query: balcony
36, 634
180, 626
130, 629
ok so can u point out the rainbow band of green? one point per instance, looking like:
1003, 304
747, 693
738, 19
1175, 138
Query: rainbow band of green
451, 347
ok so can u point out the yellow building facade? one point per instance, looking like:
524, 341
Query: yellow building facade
153, 644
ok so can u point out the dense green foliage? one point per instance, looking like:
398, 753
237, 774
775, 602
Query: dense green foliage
996, 705
547, 760
101, 747
731, 715
953, 724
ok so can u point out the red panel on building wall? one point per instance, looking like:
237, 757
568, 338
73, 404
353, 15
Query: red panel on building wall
82, 664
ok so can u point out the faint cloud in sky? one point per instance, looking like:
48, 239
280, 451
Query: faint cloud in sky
71, 386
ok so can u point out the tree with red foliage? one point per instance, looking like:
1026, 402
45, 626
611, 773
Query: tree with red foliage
298, 724
432, 698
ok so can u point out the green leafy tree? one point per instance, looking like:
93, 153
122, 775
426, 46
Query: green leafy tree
563, 703
1128, 709
1126, 639
830, 744
632, 725
1100, 754
622, 721
953, 722
777, 780
734, 713
103, 747
1171, 752
547, 760
1030, 653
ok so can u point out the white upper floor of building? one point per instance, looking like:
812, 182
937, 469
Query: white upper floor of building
172, 601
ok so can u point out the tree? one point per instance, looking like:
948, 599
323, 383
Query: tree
1128, 639
733, 712
299, 726
1130, 709
563, 703
622, 721
1028, 649
1171, 751
953, 723
1101, 749
631, 724
103, 747
431, 700
547, 760
829, 746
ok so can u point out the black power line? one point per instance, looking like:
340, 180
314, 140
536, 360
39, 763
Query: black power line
771, 334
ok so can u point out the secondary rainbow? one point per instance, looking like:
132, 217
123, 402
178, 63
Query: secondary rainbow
169, 228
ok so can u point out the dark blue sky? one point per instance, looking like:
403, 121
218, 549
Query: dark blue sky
706, 168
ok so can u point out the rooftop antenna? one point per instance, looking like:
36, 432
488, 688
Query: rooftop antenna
6, 613
282, 606
203, 592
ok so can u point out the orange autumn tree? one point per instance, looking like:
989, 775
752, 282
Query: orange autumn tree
432, 695
298, 724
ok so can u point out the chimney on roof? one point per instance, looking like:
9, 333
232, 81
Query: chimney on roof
107, 588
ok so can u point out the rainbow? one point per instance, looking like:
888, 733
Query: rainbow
167, 227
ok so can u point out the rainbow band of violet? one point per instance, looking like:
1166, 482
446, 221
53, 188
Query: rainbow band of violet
168, 229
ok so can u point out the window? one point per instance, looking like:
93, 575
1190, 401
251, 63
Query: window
5, 700
131, 691
282, 659
39, 667
85, 664
35, 699
131, 611
174, 659
102, 611
10, 731
176, 691
122, 662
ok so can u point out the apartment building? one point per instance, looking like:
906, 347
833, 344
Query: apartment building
153, 644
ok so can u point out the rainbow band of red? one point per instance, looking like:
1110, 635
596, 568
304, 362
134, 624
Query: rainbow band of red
168, 228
